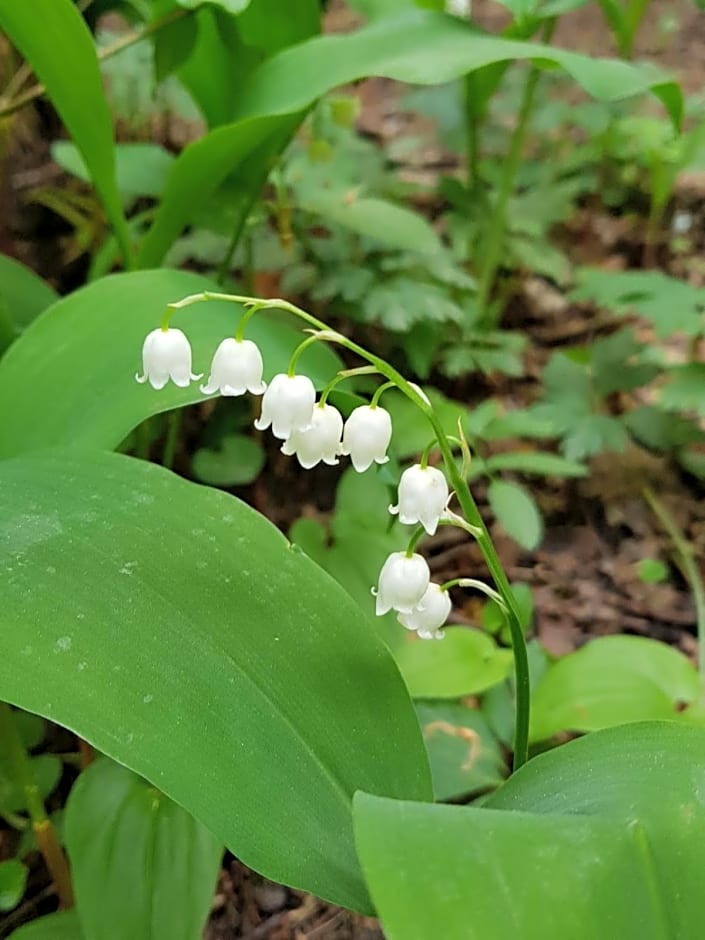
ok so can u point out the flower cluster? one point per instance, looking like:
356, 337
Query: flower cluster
311, 431
314, 432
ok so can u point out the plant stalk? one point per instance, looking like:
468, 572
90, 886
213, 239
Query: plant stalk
689, 567
44, 830
458, 481
498, 220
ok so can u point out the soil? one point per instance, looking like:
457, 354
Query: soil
583, 576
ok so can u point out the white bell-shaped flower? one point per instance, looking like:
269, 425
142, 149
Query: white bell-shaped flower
430, 615
366, 436
236, 368
320, 441
402, 583
166, 354
423, 494
287, 405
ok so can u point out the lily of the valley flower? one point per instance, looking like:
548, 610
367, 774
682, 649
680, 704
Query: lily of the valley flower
430, 614
423, 494
287, 405
166, 354
402, 583
320, 441
236, 368
366, 436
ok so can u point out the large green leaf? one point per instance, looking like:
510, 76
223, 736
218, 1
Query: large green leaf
590, 847
77, 362
25, 294
175, 629
417, 46
53, 37
61, 926
126, 840
612, 680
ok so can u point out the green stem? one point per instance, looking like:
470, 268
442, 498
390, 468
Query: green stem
688, 566
474, 583
498, 221
172, 438
341, 377
472, 155
45, 833
414, 540
459, 484
380, 391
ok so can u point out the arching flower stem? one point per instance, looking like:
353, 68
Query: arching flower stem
455, 476
419, 533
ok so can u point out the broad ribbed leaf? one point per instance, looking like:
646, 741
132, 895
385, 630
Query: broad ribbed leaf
175, 629
142, 867
602, 837
53, 37
417, 46
77, 362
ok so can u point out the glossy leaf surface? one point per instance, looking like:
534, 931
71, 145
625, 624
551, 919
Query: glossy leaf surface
161, 620
579, 843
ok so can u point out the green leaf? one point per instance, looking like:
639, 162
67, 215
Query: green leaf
464, 662
141, 169
53, 37
670, 304
376, 218
25, 294
78, 360
465, 756
517, 511
652, 571
416, 46
237, 461
176, 630
580, 843
46, 770
125, 839
531, 462
61, 926
612, 680
13, 880
685, 389
592, 434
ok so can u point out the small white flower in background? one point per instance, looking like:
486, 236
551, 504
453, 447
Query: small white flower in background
459, 7
430, 615
320, 441
287, 405
236, 368
423, 494
402, 583
366, 436
166, 354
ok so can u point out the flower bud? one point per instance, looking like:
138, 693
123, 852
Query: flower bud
166, 354
366, 436
320, 441
402, 583
423, 494
287, 405
236, 368
430, 614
